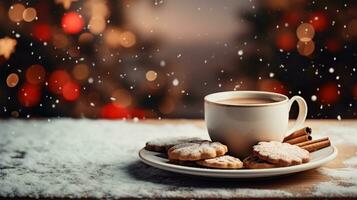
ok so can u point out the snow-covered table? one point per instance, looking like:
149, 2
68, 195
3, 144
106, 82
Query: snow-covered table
86, 158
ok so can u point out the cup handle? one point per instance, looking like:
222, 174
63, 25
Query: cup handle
302, 112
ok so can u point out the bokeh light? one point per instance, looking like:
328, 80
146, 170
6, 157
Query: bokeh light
286, 40
305, 48
305, 32
328, 93
42, 32
71, 91
15, 12
29, 95
57, 80
85, 38
114, 111
72, 23
111, 37
319, 21
272, 85
80, 72
35, 74
12, 80
29, 14
122, 97
127, 39
151, 75
96, 25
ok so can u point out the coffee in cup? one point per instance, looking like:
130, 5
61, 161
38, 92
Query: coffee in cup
240, 119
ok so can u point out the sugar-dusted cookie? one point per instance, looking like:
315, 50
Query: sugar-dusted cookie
281, 154
197, 151
223, 162
253, 162
163, 144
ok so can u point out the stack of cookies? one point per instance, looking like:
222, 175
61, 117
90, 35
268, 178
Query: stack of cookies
294, 150
190, 151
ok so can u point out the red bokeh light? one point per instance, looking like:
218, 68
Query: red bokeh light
319, 21
333, 45
272, 85
286, 41
71, 91
354, 92
42, 32
72, 23
29, 95
57, 80
292, 18
114, 111
137, 113
328, 93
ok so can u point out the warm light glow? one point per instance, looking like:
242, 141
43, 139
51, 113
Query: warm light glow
12, 80
85, 37
111, 37
29, 14
15, 12
305, 32
71, 91
80, 72
35, 74
272, 85
122, 97
60, 40
305, 48
96, 25
328, 93
57, 80
72, 23
127, 39
151, 75
286, 40
29, 95
42, 32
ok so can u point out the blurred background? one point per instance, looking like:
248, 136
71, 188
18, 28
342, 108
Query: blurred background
159, 58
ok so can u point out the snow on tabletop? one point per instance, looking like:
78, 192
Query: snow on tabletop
86, 158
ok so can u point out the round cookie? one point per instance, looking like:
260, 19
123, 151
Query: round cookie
281, 154
222, 162
253, 162
163, 144
197, 151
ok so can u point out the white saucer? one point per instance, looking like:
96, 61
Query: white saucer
159, 160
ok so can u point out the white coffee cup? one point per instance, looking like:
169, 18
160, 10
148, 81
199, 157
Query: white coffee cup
240, 126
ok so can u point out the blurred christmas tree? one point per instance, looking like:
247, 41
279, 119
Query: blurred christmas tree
77, 58
301, 47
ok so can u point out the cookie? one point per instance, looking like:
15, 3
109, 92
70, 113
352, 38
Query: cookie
222, 162
281, 154
253, 162
197, 151
163, 144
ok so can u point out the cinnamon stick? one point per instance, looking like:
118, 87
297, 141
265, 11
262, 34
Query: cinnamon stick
311, 142
299, 139
298, 133
316, 146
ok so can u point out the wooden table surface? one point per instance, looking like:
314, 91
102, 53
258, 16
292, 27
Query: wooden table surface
302, 185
